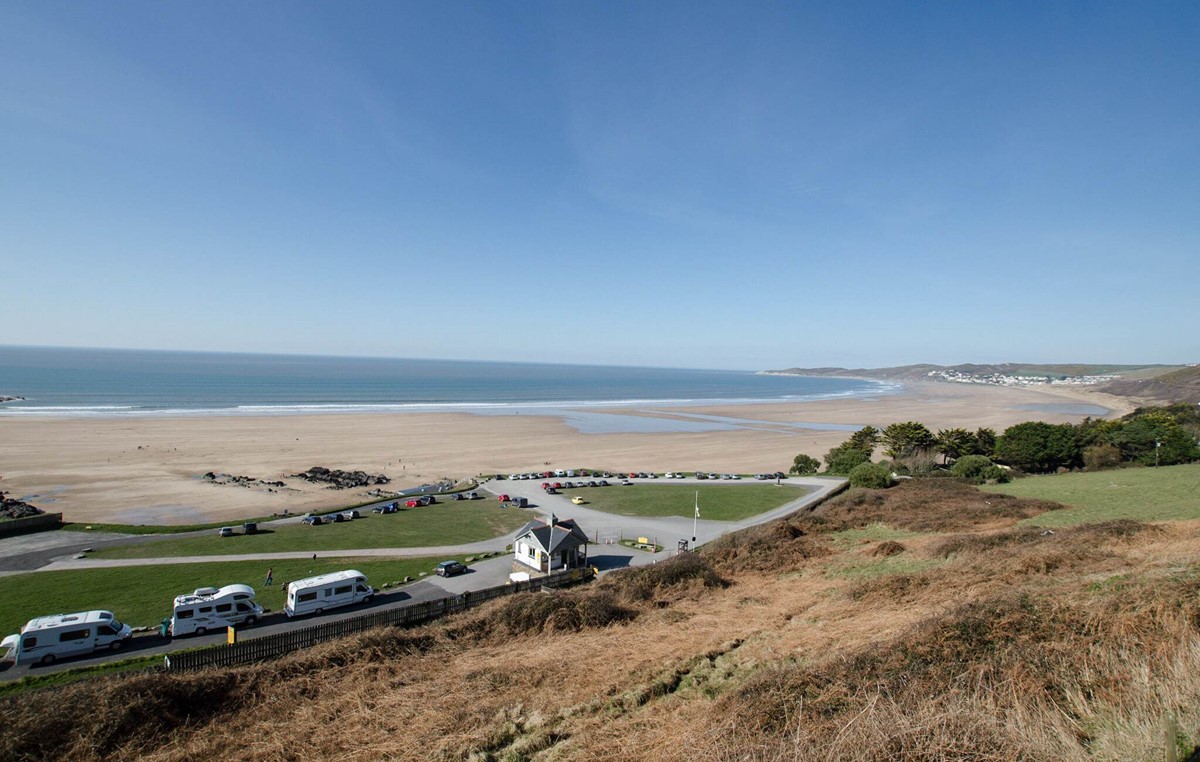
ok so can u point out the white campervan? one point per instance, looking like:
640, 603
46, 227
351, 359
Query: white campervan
326, 591
211, 609
49, 638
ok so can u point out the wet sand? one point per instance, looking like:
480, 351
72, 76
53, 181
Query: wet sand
147, 470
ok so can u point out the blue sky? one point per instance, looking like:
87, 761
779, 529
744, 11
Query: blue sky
688, 184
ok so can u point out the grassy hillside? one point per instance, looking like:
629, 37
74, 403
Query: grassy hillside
955, 634
1182, 385
1144, 494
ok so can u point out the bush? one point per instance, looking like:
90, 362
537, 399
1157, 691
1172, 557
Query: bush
805, 464
972, 467
842, 460
871, 476
1101, 456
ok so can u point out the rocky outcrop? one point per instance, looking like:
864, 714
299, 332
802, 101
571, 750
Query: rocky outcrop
11, 508
338, 479
240, 481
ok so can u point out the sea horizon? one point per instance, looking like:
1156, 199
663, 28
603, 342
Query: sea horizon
93, 382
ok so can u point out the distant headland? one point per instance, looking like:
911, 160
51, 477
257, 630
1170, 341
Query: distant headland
1160, 383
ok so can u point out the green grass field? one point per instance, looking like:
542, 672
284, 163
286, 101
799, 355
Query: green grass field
142, 595
444, 523
1145, 494
724, 502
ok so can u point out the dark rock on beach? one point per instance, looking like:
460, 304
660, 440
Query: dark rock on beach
11, 508
338, 479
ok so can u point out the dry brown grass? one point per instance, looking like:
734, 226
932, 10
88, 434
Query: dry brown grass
1018, 646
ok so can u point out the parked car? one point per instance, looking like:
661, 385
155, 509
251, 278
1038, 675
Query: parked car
502, 498
225, 531
592, 484
701, 475
412, 503
604, 483
250, 527
626, 483
449, 569
458, 496
551, 491
545, 485
577, 500
389, 508
557, 485
313, 521
352, 514
680, 475
427, 499
472, 495
337, 518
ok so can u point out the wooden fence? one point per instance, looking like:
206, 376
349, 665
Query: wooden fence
272, 646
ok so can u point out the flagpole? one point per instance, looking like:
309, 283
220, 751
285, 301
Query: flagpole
695, 519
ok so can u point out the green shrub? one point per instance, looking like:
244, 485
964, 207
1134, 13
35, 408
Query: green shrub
871, 476
841, 460
1101, 456
805, 464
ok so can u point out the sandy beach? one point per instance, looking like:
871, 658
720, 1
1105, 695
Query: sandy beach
147, 470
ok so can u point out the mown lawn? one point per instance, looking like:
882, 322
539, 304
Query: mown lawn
444, 523
142, 595
718, 502
1145, 494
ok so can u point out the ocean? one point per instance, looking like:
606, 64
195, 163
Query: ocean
139, 383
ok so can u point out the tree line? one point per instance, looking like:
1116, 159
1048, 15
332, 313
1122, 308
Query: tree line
1164, 435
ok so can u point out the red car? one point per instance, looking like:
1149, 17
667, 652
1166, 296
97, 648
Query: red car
412, 504
503, 498
557, 485
545, 485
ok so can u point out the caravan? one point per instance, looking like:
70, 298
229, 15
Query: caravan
210, 609
49, 638
326, 591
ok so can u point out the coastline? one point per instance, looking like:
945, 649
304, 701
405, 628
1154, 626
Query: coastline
146, 469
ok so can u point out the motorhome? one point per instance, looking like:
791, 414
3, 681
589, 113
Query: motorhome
46, 639
327, 591
211, 609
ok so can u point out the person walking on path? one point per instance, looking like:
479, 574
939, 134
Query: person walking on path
270, 577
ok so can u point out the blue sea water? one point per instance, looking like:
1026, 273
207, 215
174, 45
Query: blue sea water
137, 383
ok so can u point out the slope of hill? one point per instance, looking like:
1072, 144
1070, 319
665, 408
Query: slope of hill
1182, 385
919, 622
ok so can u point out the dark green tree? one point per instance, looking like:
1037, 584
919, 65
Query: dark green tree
865, 439
900, 440
985, 443
955, 443
805, 464
1039, 447
841, 460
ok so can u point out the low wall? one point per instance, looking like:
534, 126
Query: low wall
29, 524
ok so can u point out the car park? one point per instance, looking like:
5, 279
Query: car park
449, 569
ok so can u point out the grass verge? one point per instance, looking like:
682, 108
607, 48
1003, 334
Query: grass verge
725, 502
438, 524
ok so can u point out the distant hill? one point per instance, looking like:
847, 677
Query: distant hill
1182, 385
921, 371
